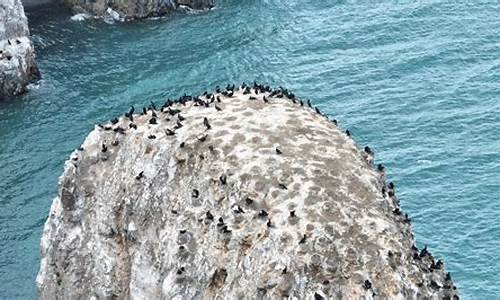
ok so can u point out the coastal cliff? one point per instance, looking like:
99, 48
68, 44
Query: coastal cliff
245, 193
17, 54
135, 9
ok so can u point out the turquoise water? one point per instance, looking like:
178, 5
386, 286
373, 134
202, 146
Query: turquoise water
418, 81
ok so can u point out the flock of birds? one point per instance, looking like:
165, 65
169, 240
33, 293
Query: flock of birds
171, 109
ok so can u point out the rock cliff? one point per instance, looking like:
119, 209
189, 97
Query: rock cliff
127, 9
17, 55
239, 195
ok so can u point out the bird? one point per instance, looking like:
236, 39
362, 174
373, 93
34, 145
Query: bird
18, 41
223, 179
368, 150
206, 123
195, 193
182, 145
380, 167
269, 223
263, 213
367, 284
424, 252
140, 176
284, 271
237, 209
180, 117
317, 110
248, 201
217, 108
292, 214
209, 215
114, 121
169, 132
283, 186
318, 297
132, 125
301, 103
309, 103
202, 138
153, 121
278, 151
303, 239
151, 136
348, 133
178, 124
10, 44
265, 99
104, 148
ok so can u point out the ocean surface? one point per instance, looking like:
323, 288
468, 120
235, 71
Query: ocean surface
418, 81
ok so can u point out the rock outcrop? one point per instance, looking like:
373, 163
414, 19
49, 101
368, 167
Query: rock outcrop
17, 55
135, 9
238, 196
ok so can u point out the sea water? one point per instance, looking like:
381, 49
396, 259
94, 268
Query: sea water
417, 81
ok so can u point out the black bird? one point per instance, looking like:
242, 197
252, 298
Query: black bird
139, 177
114, 121
301, 103
18, 41
367, 285
169, 132
181, 118
424, 252
303, 239
104, 148
368, 150
248, 201
284, 271
218, 99
292, 214
209, 215
10, 44
217, 108
334, 121
178, 124
317, 110
348, 133
263, 213
144, 111
309, 103
396, 211
278, 151
206, 123
318, 297
265, 99
153, 121
202, 138
391, 185
131, 111
151, 136
80, 149
182, 144
180, 271
380, 167
283, 186
119, 130
195, 193
223, 179
132, 125
237, 209
269, 223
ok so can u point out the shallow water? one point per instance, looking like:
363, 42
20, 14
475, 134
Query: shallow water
419, 81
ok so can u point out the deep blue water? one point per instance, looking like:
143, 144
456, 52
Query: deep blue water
418, 81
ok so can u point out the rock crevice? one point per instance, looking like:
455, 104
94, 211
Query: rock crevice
245, 193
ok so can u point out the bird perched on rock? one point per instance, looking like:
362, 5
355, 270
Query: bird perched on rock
140, 175
278, 151
206, 123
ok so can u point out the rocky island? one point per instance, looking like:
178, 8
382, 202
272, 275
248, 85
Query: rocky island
244, 193
134, 9
17, 55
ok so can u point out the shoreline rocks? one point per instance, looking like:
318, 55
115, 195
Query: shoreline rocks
244, 193
17, 54
134, 9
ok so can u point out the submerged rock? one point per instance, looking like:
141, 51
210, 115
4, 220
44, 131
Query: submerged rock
245, 195
17, 54
120, 10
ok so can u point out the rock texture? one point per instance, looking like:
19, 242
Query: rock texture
17, 55
135, 8
230, 196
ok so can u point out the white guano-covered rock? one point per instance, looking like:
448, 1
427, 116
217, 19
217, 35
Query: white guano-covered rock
17, 55
262, 199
